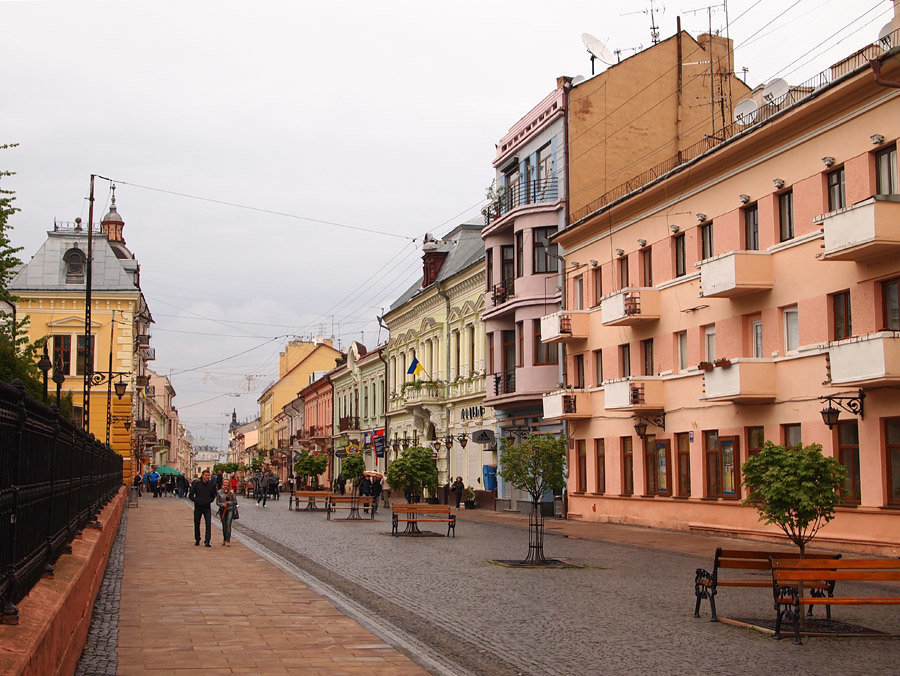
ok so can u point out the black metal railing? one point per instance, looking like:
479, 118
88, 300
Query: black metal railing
532, 192
504, 383
502, 292
348, 422
54, 480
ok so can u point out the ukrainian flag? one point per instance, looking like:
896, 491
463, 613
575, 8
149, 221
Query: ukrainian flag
415, 368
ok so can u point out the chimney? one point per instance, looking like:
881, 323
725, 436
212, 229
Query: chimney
432, 260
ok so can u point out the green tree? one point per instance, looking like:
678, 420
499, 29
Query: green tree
310, 466
352, 467
796, 489
413, 471
536, 465
258, 461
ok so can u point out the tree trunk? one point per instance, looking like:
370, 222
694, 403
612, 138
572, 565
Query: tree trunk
535, 535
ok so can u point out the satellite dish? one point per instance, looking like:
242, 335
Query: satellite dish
578, 79
598, 49
884, 36
776, 91
745, 112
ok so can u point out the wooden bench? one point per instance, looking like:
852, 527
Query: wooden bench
311, 497
351, 502
795, 585
415, 514
706, 584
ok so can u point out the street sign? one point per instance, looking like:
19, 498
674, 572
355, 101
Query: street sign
354, 450
483, 436
340, 453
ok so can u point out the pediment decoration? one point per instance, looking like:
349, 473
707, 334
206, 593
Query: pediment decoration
72, 322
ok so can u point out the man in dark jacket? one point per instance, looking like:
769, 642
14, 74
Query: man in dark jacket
202, 494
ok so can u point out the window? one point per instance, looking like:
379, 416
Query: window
74, 260
647, 353
756, 437
837, 195
509, 351
791, 435
756, 338
625, 360
681, 341
545, 165
507, 262
680, 257
709, 343
85, 354
456, 353
886, 171
751, 228
600, 459
598, 368
683, 446
623, 272
647, 267
656, 465
490, 355
581, 466
786, 215
366, 401
579, 371
722, 465
890, 296
544, 251
520, 335
892, 459
706, 241
489, 268
62, 353
791, 329
841, 326
848, 456
544, 353
598, 285
470, 332
520, 253
578, 293
628, 466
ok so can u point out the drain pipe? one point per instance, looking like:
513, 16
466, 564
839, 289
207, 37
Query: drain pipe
440, 291
876, 68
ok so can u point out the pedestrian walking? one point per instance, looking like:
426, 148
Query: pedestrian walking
365, 487
202, 494
220, 480
263, 490
138, 481
234, 483
376, 493
227, 503
457, 489
182, 484
340, 484
154, 483
274, 485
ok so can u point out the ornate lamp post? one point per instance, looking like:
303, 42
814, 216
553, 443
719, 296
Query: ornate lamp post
44, 364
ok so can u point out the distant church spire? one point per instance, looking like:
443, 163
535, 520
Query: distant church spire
112, 224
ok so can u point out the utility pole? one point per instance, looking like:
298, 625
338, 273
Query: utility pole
88, 344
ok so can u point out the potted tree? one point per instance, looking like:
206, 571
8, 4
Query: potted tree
469, 497
413, 471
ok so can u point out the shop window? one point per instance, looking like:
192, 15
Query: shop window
581, 465
722, 465
683, 446
756, 437
657, 465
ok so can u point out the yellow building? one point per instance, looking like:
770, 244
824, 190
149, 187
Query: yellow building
51, 288
296, 364
437, 322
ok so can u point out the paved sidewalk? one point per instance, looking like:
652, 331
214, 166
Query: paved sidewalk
196, 610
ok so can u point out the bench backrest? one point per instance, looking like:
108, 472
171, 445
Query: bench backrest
746, 559
798, 570
350, 498
421, 509
311, 494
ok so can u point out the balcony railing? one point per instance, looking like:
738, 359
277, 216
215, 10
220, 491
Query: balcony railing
504, 383
873, 359
503, 291
349, 422
865, 230
533, 192
567, 404
736, 273
630, 306
633, 394
560, 327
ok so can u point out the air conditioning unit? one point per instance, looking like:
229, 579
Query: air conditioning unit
149, 353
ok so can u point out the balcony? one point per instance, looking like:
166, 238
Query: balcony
564, 326
630, 306
350, 422
534, 192
742, 382
868, 360
568, 405
736, 273
418, 393
502, 292
862, 231
504, 383
141, 381
635, 394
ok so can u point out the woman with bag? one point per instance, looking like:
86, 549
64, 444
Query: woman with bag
226, 500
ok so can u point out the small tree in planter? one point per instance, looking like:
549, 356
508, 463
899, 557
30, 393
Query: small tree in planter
352, 467
309, 466
796, 489
469, 497
413, 471
536, 465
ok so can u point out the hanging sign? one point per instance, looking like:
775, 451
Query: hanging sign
483, 436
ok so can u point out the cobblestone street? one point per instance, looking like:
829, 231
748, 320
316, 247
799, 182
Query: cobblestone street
442, 601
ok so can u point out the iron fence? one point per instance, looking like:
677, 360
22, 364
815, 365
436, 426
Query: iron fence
54, 480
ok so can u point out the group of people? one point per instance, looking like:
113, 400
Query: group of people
206, 490
369, 484
265, 484
161, 485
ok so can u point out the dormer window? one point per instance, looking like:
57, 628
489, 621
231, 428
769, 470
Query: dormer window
74, 259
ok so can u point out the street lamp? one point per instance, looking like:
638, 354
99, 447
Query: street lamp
640, 427
448, 441
44, 364
830, 413
58, 377
436, 445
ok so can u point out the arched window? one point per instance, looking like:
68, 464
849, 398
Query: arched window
74, 259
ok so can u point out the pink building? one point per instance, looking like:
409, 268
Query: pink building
774, 256
317, 415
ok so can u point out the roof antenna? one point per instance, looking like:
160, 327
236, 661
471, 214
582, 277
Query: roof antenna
651, 11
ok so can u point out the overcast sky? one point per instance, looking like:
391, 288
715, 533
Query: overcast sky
381, 116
